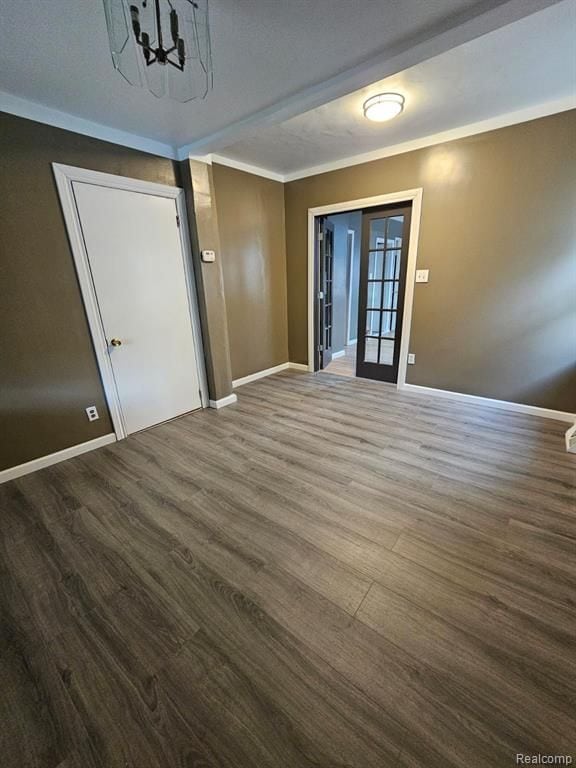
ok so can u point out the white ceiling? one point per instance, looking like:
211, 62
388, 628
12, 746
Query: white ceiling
527, 63
273, 59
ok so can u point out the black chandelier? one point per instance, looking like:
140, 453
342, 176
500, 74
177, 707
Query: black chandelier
160, 54
163, 45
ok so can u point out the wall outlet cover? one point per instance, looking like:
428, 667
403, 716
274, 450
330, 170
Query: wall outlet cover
422, 275
92, 413
208, 256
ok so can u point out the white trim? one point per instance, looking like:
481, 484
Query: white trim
64, 176
505, 405
570, 438
336, 355
410, 195
349, 329
260, 375
54, 458
40, 113
271, 371
472, 129
255, 170
223, 402
461, 132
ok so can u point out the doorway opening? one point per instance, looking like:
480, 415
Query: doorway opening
338, 278
362, 263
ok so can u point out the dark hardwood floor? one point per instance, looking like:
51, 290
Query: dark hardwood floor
328, 574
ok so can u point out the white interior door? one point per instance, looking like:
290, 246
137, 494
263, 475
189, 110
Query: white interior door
137, 265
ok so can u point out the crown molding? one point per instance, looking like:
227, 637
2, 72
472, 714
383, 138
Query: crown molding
483, 126
247, 167
39, 113
229, 162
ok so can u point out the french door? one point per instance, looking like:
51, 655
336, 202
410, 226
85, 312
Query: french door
324, 283
383, 264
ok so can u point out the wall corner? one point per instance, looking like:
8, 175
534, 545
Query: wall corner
198, 184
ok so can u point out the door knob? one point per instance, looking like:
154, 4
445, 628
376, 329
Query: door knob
116, 342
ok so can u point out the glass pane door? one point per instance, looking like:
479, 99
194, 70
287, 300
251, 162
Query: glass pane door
323, 286
382, 281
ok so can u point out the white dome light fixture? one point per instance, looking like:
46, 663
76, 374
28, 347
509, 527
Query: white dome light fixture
383, 106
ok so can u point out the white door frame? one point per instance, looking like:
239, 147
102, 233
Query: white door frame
409, 195
350, 337
64, 176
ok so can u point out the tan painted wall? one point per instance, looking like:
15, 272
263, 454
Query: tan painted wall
252, 238
48, 372
198, 182
497, 318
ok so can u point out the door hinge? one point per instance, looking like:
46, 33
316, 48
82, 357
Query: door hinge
320, 294
320, 236
177, 220
320, 348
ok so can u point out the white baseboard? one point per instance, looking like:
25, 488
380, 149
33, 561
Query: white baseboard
222, 403
55, 458
260, 374
571, 439
336, 355
269, 372
505, 405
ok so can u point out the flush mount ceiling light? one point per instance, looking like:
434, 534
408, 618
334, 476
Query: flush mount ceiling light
163, 45
383, 106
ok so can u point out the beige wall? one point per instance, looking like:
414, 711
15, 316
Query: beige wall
198, 182
252, 238
497, 318
48, 372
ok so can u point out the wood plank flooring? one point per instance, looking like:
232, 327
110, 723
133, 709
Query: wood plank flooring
329, 573
345, 365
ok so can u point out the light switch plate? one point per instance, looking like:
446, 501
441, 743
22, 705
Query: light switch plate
411, 358
422, 275
208, 256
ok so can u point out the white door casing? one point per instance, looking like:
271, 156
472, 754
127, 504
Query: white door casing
410, 195
135, 274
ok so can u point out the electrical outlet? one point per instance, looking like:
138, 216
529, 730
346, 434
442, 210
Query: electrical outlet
411, 359
92, 413
422, 275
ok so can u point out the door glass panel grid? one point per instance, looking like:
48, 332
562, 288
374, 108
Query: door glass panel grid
382, 289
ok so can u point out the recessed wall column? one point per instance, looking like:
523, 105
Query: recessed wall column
196, 178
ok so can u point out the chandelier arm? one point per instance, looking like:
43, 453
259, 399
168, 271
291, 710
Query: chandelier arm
158, 24
173, 63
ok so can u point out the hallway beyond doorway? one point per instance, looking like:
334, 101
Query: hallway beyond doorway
345, 365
